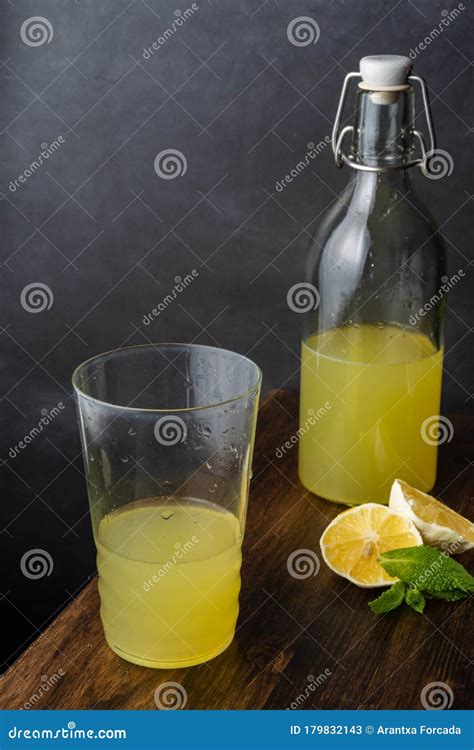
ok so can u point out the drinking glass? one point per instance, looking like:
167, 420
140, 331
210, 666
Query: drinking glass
167, 434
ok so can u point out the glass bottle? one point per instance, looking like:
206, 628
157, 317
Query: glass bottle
372, 348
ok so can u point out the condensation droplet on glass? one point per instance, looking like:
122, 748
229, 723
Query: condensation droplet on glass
132, 431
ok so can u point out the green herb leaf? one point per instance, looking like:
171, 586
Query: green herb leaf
390, 599
429, 570
415, 600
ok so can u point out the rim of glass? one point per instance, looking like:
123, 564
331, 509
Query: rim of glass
177, 345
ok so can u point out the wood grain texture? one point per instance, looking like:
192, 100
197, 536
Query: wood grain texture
289, 630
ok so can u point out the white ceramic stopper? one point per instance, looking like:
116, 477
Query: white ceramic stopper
380, 72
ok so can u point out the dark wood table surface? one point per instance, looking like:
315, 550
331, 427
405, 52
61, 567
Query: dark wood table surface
291, 632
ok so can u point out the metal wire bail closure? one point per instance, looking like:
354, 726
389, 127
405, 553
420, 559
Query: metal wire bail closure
338, 134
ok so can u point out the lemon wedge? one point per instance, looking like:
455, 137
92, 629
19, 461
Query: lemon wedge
354, 540
439, 525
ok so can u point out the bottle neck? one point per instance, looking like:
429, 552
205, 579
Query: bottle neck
383, 135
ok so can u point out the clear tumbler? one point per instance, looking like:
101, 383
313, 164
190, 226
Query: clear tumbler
167, 434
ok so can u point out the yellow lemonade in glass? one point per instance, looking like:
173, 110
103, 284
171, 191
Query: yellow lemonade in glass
380, 384
169, 580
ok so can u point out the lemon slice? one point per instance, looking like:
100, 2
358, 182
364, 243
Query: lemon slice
439, 525
354, 540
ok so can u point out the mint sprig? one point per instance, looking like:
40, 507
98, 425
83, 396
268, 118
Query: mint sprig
423, 572
390, 599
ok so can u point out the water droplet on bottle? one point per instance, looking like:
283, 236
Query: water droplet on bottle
124, 459
208, 464
131, 431
166, 514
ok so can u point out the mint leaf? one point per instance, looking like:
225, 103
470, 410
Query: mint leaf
429, 570
415, 600
390, 599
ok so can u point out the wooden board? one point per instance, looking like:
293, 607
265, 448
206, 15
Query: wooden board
311, 642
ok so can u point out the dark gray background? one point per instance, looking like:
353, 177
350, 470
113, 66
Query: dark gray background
108, 236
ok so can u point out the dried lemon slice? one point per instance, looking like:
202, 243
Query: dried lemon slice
438, 524
354, 540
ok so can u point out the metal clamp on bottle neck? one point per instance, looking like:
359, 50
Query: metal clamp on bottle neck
384, 77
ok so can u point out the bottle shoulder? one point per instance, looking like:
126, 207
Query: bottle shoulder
382, 219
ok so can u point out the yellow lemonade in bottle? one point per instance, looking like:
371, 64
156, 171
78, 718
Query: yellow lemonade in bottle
379, 383
169, 580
